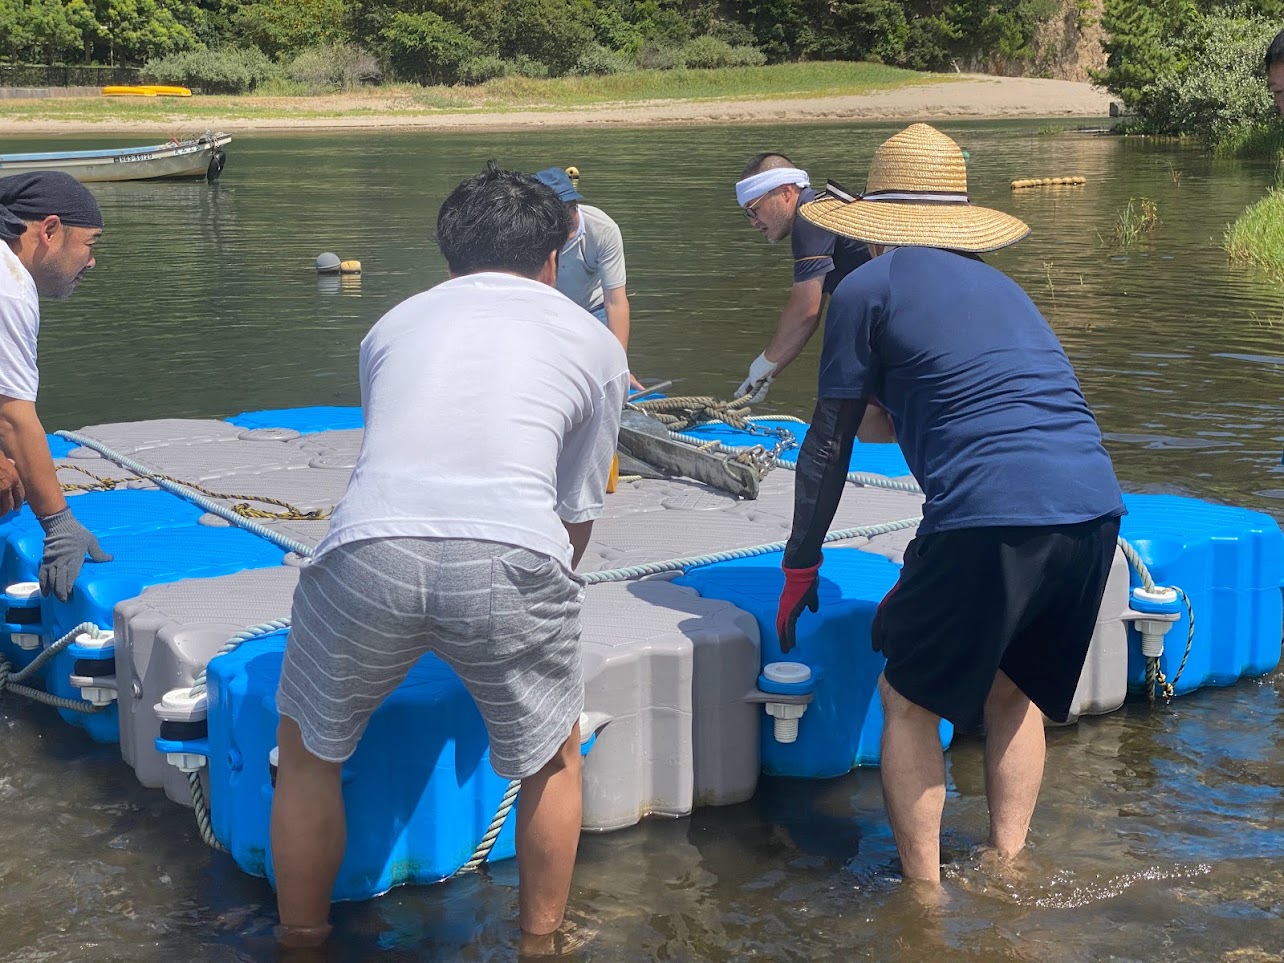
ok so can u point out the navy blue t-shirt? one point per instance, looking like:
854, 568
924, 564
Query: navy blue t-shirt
817, 251
987, 408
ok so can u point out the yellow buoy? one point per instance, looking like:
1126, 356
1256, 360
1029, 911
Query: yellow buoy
349, 267
1048, 182
573, 173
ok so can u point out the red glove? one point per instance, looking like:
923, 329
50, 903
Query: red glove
799, 592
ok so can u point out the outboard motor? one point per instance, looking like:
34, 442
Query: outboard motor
217, 160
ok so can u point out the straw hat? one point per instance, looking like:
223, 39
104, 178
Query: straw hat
915, 196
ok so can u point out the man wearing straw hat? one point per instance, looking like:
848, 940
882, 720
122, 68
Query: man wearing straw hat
990, 621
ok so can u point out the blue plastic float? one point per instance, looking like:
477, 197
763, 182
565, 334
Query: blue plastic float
1230, 564
419, 791
843, 725
155, 537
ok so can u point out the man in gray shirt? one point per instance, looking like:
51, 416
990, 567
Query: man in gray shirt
590, 267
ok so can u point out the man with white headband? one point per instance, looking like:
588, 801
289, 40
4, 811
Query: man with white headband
770, 191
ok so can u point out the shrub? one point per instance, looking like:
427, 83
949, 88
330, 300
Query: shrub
524, 66
597, 60
705, 53
659, 58
1219, 94
339, 66
211, 70
478, 70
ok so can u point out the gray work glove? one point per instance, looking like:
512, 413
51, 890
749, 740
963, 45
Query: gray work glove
66, 543
761, 373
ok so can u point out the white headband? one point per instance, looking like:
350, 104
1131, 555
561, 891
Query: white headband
752, 188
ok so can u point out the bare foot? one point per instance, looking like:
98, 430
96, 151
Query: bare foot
1009, 868
568, 938
301, 937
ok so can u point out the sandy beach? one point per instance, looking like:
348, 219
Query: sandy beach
964, 96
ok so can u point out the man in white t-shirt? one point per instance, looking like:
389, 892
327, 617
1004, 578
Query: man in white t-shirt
49, 223
590, 266
492, 406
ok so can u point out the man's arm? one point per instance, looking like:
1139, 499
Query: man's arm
818, 487
821, 475
67, 542
798, 322
877, 426
579, 534
22, 437
616, 303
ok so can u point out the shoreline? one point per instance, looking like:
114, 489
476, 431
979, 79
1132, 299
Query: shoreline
969, 97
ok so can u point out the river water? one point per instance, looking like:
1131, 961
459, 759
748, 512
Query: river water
1159, 831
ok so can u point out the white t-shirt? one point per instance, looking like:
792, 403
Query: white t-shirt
19, 328
492, 408
591, 261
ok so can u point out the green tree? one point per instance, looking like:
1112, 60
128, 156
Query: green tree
135, 30
52, 28
552, 32
1146, 39
287, 26
426, 47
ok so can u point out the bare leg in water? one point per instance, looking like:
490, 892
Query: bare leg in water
913, 770
309, 834
548, 834
1014, 758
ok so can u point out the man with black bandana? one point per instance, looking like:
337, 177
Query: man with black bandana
992, 615
49, 223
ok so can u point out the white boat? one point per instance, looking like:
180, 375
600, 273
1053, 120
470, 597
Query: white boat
201, 156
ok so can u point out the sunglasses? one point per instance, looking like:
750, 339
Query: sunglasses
751, 210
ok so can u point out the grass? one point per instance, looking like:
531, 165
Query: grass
498, 95
1138, 219
1265, 141
1257, 237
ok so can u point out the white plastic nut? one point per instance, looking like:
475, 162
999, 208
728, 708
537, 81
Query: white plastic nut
179, 705
1152, 637
98, 695
788, 673
87, 641
1154, 629
1160, 593
186, 761
786, 716
26, 641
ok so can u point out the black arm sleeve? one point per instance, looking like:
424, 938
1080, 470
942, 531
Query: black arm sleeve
822, 473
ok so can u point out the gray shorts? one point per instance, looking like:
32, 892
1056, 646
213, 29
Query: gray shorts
507, 620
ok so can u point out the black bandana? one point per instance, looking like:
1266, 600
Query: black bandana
33, 197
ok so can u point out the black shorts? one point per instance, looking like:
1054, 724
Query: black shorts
976, 600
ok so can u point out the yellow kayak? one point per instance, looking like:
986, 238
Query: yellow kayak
147, 90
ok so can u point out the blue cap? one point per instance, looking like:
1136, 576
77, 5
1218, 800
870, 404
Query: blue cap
560, 182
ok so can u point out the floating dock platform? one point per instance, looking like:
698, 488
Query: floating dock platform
174, 649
